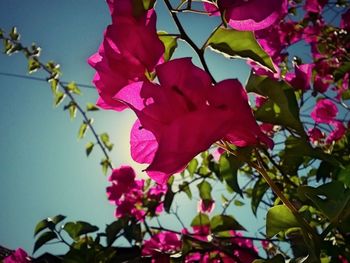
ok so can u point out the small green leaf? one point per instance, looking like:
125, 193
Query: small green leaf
168, 199
43, 224
184, 187
133, 232
238, 203
91, 107
57, 219
105, 163
14, 34
332, 199
76, 229
54, 85
105, 140
229, 172
344, 175
83, 128
112, 230
234, 43
279, 218
72, 108
33, 65
200, 220
205, 189
89, 147
43, 239
170, 44
258, 192
72, 87
220, 223
281, 108
341, 71
192, 167
58, 98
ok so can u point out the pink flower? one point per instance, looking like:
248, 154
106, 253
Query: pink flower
121, 58
19, 256
161, 246
122, 179
338, 132
205, 206
260, 100
315, 135
174, 116
301, 77
267, 128
253, 14
314, 6
324, 111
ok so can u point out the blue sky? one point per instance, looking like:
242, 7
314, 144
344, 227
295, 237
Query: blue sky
43, 167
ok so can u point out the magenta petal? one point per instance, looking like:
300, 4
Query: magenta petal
252, 15
187, 80
186, 137
143, 144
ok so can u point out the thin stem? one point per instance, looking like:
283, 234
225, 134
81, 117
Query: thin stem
260, 168
186, 38
28, 54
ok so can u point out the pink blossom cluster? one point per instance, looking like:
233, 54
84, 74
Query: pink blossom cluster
172, 113
131, 196
18, 256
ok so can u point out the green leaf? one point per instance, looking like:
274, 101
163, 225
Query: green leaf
220, 223
58, 98
43, 239
233, 43
341, 71
113, 229
204, 189
170, 44
57, 219
133, 232
83, 128
72, 108
43, 224
105, 163
200, 220
54, 85
238, 203
105, 140
76, 229
228, 167
168, 199
331, 199
344, 175
33, 65
279, 218
91, 107
184, 187
294, 153
14, 34
192, 167
258, 193
89, 147
281, 108
72, 87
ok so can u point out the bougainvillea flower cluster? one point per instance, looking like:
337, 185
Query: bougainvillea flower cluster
173, 112
130, 195
121, 58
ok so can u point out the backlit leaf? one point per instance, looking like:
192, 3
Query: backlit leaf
279, 218
234, 43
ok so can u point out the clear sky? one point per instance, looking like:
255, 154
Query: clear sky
43, 167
